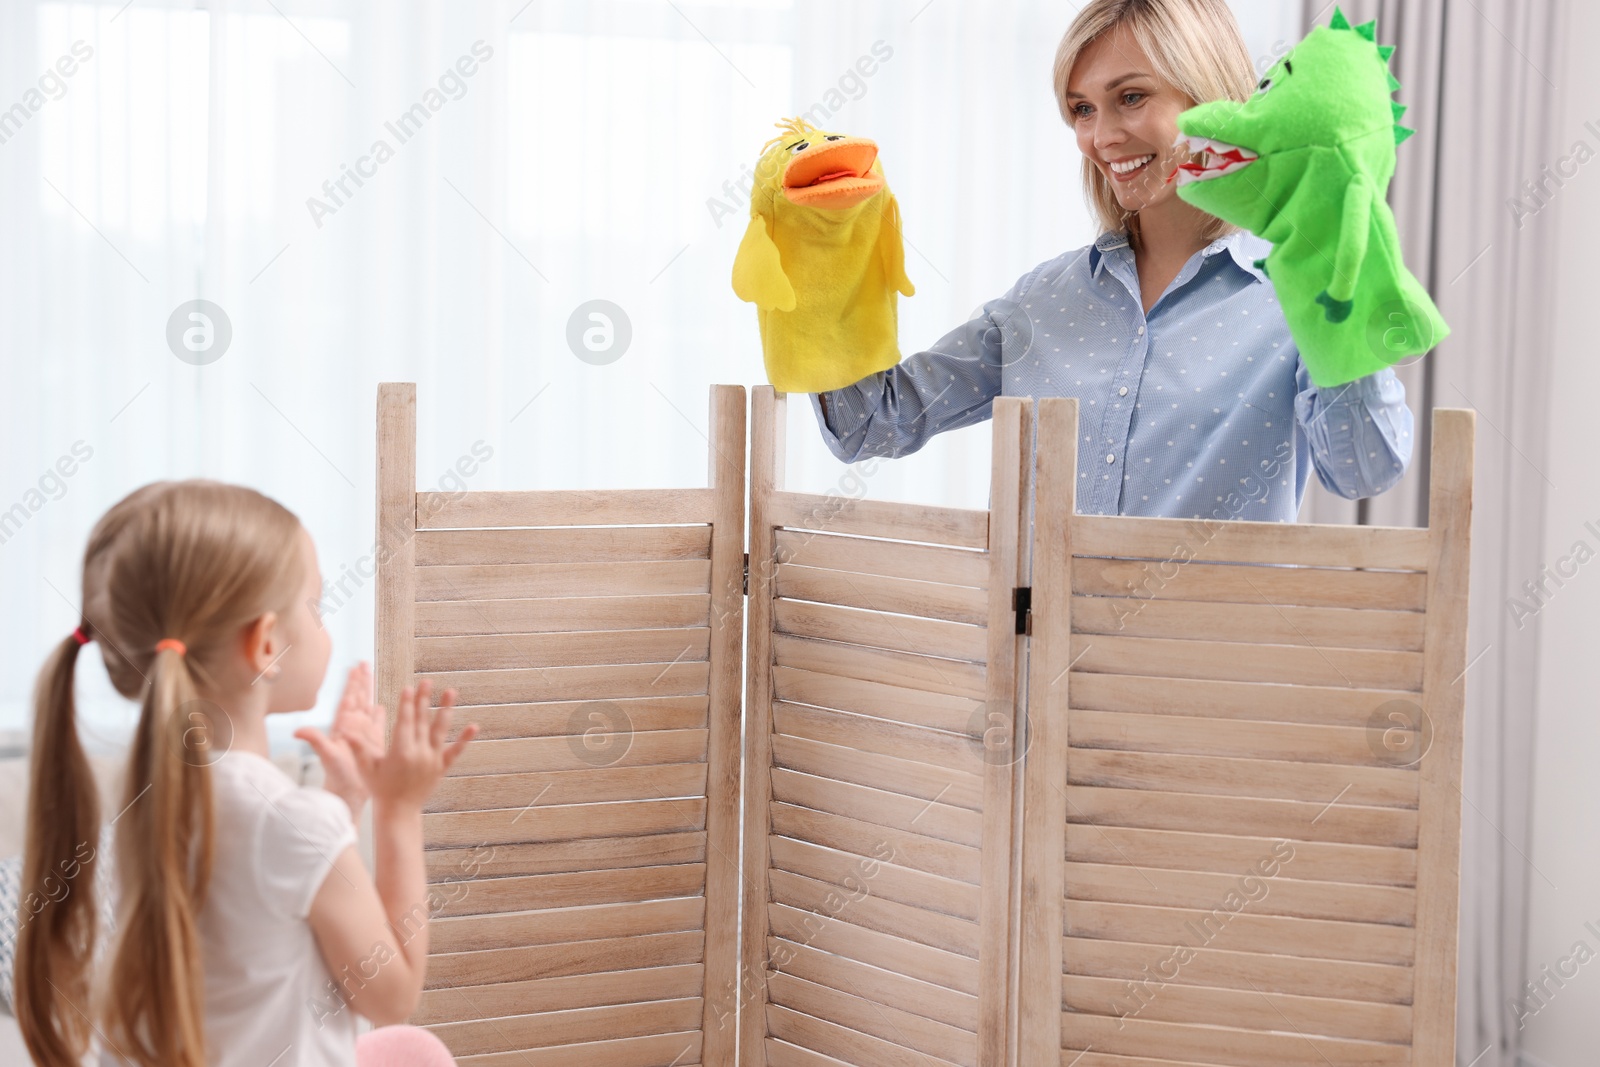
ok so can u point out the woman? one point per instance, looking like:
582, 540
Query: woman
1192, 397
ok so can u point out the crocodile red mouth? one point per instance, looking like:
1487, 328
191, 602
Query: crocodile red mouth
1218, 158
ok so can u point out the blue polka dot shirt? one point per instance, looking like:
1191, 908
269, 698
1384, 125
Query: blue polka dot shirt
1202, 408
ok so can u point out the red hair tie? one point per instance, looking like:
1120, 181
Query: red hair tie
172, 643
80, 636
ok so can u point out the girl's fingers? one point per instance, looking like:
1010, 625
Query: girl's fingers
405, 713
453, 750
424, 712
441, 721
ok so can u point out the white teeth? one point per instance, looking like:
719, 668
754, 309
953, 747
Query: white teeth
1132, 164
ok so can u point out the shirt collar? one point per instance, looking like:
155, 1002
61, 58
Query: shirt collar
1244, 247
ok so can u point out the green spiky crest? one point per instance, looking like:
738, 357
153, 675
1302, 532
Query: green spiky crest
1369, 31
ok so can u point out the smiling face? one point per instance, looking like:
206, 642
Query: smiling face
1125, 119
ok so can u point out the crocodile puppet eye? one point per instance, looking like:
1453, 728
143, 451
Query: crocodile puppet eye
1266, 83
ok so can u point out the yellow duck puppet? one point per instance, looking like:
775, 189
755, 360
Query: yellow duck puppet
822, 260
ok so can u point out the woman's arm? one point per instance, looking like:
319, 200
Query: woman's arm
895, 411
1360, 432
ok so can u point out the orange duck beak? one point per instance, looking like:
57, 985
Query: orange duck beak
833, 174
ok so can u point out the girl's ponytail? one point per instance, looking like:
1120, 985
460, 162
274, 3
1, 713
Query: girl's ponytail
164, 846
56, 935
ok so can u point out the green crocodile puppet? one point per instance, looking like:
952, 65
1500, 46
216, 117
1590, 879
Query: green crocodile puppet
1305, 163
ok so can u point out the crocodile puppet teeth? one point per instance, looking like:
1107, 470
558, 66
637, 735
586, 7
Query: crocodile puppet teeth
1219, 158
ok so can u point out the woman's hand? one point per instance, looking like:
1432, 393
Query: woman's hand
404, 776
356, 717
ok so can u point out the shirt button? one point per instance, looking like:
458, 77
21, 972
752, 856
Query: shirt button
1141, 331
1123, 391
1111, 457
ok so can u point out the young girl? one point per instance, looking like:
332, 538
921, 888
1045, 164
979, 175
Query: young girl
1192, 397
249, 931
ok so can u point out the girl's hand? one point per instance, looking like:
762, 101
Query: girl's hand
406, 774
356, 717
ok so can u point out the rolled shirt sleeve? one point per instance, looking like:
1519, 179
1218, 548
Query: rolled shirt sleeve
1360, 433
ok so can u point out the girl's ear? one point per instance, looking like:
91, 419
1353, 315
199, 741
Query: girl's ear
259, 641
758, 275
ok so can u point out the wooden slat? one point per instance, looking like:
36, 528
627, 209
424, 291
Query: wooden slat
1300, 820
499, 722
961, 527
904, 596
555, 857
1258, 623
521, 580
1224, 776
1303, 586
1235, 661
937, 711
1317, 705
562, 822
1294, 742
522, 964
853, 835
679, 1050
468, 933
843, 1043
935, 966
1238, 1048
874, 735
1177, 541
879, 985
1267, 894
1222, 969
572, 649
858, 1009
599, 544
1246, 1009
783, 1054
595, 749
557, 994
575, 683
1237, 930
907, 923
905, 885
1228, 854
589, 785
963, 789
567, 890
448, 618
564, 507
888, 559
520, 1032
881, 808
928, 637
871, 664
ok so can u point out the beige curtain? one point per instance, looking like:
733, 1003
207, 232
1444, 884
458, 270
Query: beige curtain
1479, 77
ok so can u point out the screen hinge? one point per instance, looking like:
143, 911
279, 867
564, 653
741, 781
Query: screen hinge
747, 574
1022, 601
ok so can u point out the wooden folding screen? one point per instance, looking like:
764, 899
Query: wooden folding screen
582, 857
1116, 792
879, 769
1242, 807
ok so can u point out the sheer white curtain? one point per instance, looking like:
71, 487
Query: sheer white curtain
533, 157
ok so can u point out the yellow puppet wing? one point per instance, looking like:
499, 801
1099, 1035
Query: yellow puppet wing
892, 247
758, 271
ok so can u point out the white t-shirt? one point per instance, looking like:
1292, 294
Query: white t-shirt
269, 996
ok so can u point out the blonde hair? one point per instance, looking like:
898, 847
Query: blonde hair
194, 560
1194, 45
